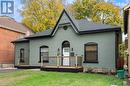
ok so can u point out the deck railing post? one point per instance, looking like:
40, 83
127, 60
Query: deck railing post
58, 61
76, 60
41, 63
18, 61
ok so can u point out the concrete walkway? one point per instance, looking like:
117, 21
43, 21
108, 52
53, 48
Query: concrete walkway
6, 70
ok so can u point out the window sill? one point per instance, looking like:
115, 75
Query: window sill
90, 62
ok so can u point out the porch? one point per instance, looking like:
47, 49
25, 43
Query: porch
62, 64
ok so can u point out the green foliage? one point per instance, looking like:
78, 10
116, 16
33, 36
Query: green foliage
83, 8
40, 15
107, 13
98, 11
121, 50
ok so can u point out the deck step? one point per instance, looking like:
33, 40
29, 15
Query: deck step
63, 69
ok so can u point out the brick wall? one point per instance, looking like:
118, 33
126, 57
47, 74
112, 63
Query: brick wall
6, 47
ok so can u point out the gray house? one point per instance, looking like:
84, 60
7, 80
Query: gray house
73, 45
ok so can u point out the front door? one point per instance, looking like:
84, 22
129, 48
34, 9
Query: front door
66, 54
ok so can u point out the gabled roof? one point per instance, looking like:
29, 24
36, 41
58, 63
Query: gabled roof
126, 17
87, 26
80, 26
41, 34
71, 18
11, 24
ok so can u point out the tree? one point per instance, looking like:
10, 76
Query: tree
82, 8
40, 15
97, 11
121, 50
107, 13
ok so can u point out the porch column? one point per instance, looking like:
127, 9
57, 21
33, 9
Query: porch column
129, 43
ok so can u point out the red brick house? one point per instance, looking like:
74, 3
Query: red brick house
10, 30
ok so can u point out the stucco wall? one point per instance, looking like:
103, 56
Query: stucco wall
25, 46
105, 41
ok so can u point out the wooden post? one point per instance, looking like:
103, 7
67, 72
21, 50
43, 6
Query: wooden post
18, 61
57, 61
41, 63
76, 61
129, 44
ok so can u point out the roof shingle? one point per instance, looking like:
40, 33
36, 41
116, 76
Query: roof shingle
11, 24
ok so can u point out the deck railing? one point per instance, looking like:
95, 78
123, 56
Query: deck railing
57, 61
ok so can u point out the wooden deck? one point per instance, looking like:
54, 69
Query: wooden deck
27, 67
56, 63
53, 68
62, 68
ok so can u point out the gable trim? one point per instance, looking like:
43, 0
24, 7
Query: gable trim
57, 24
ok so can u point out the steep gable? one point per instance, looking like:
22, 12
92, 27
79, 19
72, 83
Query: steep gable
65, 19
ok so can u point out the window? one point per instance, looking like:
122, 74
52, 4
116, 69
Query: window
44, 54
22, 55
91, 53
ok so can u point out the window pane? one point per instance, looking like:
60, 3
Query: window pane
91, 53
44, 54
21, 55
91, 56
44, 50
91, 48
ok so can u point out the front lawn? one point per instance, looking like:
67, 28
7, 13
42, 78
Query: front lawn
41, 78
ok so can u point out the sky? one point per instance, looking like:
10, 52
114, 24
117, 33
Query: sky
18, 5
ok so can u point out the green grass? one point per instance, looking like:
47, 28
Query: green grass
41, 78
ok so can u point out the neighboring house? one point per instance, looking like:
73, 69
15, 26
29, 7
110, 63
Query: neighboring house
127, 31
10, 30
70, 46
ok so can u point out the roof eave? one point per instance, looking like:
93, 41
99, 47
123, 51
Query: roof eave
38, 37
20, 41
100, 31
10, 29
